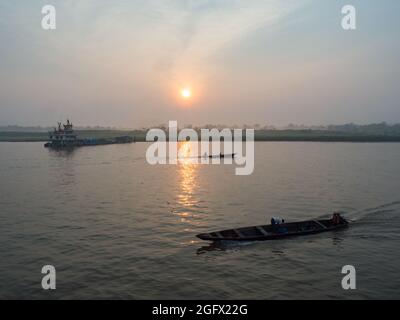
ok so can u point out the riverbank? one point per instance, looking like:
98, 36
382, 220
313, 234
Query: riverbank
260, 135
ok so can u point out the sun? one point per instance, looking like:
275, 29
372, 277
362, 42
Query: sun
186, 93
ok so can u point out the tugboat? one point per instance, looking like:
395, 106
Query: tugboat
63, 137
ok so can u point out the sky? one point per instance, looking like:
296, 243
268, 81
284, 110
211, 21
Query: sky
125, 63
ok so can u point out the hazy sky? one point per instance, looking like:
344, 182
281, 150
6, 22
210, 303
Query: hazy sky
124, 63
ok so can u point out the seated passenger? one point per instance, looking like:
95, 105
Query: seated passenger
336, 218
276, 225
275, 221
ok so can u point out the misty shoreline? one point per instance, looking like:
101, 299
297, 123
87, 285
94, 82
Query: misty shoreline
260, 135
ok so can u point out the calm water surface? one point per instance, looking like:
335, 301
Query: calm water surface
116, 227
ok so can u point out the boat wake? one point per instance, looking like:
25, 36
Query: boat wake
384, 212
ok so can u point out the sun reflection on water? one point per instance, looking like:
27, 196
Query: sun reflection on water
188, 185
188, 177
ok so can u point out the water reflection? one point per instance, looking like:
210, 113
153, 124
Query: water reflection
63, 168
213, 246
230, 245
62, 153
188, 153
337, 239
188, 184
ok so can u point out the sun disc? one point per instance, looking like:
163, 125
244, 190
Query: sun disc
186, 93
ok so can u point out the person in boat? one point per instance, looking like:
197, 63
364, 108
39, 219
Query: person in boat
336, 219
276, 221
277, 225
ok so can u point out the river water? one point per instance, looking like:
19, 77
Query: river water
115, 227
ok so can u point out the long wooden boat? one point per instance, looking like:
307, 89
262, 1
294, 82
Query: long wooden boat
221, 155
275, 232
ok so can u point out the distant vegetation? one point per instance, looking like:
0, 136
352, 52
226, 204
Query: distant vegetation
380, 132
